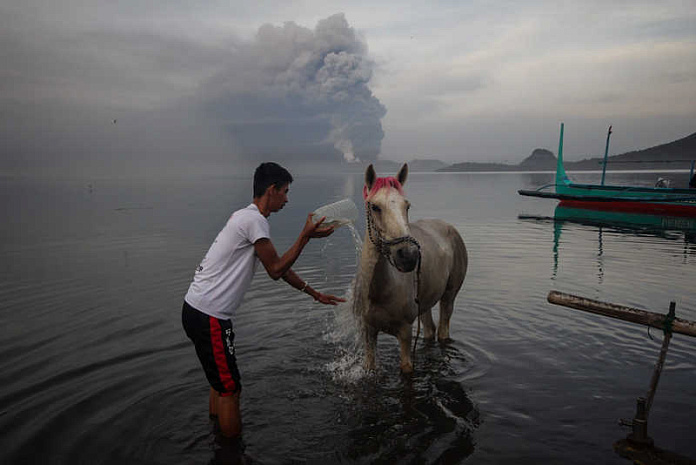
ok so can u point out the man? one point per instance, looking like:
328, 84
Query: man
224, 276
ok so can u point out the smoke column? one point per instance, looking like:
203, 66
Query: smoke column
294, 92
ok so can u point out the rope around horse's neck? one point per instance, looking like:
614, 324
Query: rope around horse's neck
383, 248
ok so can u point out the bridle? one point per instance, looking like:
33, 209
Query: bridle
384, 246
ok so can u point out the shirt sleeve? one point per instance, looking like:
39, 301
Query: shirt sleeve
257, 228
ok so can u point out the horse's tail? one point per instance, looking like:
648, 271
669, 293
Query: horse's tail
460, 261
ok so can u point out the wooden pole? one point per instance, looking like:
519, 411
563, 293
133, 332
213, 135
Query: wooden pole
606, 154
660, 363
634, 315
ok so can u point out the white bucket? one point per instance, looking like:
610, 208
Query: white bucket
337, 213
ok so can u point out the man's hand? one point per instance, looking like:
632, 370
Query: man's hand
327, 299
316, 230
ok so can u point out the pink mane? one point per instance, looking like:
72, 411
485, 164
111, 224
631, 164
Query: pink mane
381, 183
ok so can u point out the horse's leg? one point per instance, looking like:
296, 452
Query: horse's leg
370, 337
454, 284
426, 319
404, 337
446, 310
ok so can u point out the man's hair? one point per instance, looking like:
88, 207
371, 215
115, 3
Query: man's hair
270, 174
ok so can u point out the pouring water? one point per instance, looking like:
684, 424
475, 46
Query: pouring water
347, 365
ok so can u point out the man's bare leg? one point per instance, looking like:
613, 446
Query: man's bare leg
212, 403
229, 417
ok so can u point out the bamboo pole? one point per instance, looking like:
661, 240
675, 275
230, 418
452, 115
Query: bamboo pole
634, 315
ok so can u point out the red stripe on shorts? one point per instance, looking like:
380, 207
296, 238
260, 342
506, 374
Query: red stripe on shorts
219, 355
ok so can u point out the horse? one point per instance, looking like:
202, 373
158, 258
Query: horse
404, 270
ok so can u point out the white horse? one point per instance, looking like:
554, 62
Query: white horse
405, 269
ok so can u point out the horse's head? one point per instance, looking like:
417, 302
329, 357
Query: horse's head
387, 219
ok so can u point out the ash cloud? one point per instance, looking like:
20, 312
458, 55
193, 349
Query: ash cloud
300, 93
105, 99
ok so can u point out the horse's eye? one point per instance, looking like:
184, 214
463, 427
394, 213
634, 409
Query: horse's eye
408, 206
376, 209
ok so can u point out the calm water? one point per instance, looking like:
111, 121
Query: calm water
95, 368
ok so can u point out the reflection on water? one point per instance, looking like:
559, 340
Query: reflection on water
640, 222
617, 223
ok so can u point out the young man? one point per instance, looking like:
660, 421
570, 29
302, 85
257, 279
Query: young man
224, 276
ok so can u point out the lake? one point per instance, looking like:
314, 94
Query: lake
96, 369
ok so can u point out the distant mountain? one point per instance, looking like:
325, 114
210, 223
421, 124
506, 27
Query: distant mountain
425, 165
673, 155
390, 167
475, 166
540, 159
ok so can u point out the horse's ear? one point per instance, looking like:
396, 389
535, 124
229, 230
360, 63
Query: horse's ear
370, 177
403, 174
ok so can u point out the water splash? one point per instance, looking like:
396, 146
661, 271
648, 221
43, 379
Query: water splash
343, 333
357, 240
344, 336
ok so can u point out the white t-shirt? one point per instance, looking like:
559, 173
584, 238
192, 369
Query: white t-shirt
225, 274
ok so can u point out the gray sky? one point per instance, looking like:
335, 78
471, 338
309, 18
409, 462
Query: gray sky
203, 83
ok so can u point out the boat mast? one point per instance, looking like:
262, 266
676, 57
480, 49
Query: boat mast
561, 178
606, 153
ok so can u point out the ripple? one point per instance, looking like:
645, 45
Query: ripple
95, 367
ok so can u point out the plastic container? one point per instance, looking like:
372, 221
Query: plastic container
337, 213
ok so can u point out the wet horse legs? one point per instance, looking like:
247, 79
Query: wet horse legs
404, 336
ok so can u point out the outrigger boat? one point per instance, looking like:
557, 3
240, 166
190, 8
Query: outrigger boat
656, 200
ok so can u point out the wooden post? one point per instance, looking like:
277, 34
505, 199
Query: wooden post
660, 363
634, 315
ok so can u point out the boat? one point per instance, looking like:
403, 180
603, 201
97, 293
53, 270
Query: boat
657, 200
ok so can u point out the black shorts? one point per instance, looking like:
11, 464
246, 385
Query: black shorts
214, 341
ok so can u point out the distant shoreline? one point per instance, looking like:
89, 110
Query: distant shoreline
670, 157
647, 170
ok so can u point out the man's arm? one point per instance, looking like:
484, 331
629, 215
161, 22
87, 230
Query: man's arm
298, 283
277, 266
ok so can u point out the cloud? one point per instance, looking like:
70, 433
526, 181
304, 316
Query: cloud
296, 92
462, 81
287, 92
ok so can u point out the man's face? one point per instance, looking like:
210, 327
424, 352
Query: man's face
279, 197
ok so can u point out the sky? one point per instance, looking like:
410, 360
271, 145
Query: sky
102, 86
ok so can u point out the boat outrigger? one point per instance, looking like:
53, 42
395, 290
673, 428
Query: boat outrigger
657, 200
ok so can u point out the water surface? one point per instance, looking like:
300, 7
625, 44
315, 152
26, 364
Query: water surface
95, 367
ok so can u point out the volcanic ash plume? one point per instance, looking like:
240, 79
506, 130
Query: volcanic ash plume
297, 92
